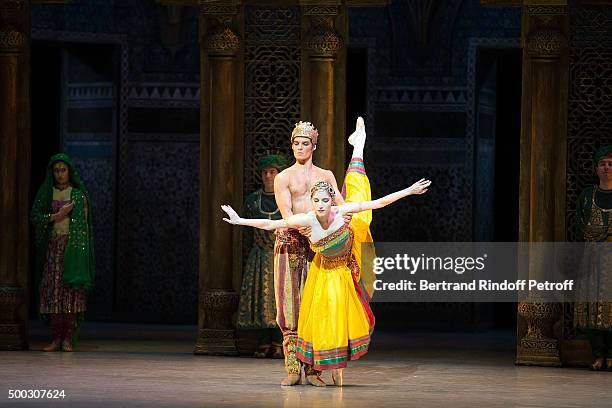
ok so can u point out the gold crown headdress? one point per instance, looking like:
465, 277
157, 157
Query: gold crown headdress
305, 129
322, 186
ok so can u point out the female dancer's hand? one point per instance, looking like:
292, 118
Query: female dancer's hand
234, 218
420, 187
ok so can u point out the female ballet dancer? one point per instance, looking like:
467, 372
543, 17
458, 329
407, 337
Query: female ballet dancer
335, 320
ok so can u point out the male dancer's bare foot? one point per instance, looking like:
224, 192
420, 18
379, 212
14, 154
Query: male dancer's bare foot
292, 379
315, 380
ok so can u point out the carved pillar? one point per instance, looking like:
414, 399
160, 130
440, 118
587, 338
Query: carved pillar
221, 164
323, 84
14, 171
543, 161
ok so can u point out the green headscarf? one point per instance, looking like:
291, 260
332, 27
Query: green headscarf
79, 265
601, 153
278, 161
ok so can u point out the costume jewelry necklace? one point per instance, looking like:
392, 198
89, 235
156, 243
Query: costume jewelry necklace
268, 213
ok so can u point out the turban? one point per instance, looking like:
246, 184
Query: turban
601, 153
278, 161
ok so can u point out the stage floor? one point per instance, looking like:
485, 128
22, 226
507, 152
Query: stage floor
153, 366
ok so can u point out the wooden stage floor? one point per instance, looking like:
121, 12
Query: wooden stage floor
153, 366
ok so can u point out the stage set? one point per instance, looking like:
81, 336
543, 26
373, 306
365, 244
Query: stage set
120, 365
168, 109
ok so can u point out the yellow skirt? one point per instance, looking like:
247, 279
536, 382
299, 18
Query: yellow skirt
335, 320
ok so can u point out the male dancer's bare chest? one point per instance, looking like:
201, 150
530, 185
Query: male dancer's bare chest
299, 187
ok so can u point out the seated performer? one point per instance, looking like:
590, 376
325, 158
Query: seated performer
335, 319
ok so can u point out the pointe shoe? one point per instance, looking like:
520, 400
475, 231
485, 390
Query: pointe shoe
315, 380
357, 138
53, 346
292, 379
67, 345
598, 364
338, 376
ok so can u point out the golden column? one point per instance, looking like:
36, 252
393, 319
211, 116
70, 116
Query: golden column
221, 164
543, 159
324, 83
14, 171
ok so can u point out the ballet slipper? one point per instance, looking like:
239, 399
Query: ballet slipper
338, 376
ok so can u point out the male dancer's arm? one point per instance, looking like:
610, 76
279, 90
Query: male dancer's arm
282, 195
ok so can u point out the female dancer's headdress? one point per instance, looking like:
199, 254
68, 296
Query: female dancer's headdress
323, 186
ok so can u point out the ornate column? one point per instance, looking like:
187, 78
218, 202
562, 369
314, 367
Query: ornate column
323, 83
14, 171
543, 163
221, 165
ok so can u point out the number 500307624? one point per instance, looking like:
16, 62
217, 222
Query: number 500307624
36, 394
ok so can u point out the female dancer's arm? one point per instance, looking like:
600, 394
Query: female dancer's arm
294, 221
420, 187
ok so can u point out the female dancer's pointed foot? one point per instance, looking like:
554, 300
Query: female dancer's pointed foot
338, 376
315, 380
357, 139
55, 345
291, 379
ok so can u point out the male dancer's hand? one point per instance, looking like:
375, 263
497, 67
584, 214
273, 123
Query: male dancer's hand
305, 231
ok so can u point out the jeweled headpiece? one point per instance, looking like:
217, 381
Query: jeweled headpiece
305, 129
322, 186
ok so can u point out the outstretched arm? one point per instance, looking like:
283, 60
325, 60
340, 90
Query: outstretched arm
295, 221
420, 187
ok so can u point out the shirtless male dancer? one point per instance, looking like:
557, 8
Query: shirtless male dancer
292, 250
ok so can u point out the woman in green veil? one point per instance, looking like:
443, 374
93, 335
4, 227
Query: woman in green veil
62, 216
